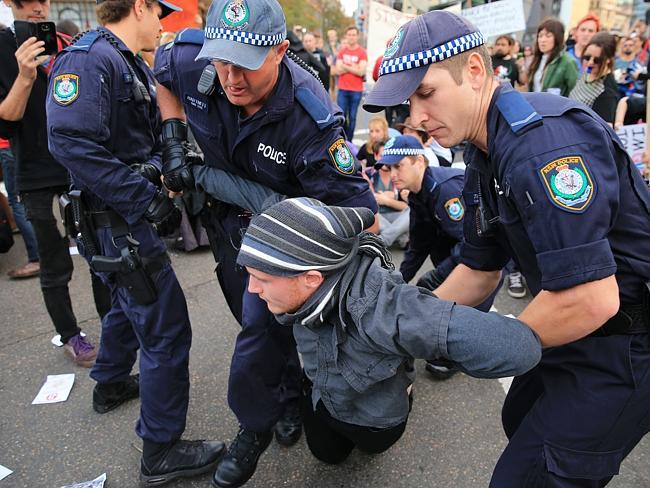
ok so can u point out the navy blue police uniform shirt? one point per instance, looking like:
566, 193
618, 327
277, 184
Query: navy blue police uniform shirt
565, 198
294, 144
96, 129
435, 222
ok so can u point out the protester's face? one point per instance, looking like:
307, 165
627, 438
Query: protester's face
282, 294
545, 41
585, 32
247, 88
592, 60
628, 47
332, 36
150, 27
31, 10
528, 51
406, 175
376, 132
501, 47
352, 37
309, 42
443, 107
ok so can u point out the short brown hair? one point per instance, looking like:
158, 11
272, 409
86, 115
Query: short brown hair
352, 27
455, 64
111, 11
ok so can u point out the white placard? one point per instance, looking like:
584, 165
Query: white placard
496, 18
6, 17
383, 23
56, 389
4, 472
633, 138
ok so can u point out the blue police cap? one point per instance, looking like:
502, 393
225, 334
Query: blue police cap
242, 32
167, 8
397, 148
427, 39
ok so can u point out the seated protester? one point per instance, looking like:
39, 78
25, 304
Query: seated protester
597, 88
358, 326
393, 210
434, 152
377, 132
436, 220
630, 110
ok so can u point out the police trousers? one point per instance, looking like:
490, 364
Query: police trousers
163, 334
265, 371
573, 419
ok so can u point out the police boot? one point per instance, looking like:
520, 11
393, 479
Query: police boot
108, 396
441, 369
289, 426
239, 463
162, 463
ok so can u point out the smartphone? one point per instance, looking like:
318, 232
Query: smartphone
43, 31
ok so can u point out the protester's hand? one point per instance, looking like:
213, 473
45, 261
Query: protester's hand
646, 158
384, 197
28, 58
404, 195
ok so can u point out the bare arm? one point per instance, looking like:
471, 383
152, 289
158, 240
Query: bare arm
12, 108
560, 317
169, 104
374, 228
358, 69
467, 286
340, 67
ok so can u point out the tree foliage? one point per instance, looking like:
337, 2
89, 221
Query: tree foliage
316, 15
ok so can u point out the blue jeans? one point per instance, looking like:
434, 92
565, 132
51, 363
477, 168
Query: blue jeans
9, 174
349, 103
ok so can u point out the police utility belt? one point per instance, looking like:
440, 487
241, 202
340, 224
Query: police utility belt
130, 271
630, 319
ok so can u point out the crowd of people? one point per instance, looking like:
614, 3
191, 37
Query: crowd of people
244, 131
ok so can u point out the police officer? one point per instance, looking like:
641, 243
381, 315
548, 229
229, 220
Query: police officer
550, 182
104, 127
254, 113
436, 221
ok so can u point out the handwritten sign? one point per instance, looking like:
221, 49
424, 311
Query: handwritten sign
633, 138
496, 18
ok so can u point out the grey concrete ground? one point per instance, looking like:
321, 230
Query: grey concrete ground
453, 437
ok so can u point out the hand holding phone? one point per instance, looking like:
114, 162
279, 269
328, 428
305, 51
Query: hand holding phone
42, 31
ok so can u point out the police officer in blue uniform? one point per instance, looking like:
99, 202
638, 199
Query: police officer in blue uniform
548, 182
256, 114
436, 221
104, 127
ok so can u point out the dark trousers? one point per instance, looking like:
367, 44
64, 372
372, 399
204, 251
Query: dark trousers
265, 370
56, 263
332, 441
573, 418
163, 334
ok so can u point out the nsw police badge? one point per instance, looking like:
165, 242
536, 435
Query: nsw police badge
455, 210
235, 15
65, 89
342, 157
568, 183
393, 44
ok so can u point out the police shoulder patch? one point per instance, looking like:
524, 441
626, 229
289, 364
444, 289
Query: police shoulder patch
65, 88
454, 208
568, 183
342, 157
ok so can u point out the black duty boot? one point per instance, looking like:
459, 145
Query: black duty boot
107, 396
289, 426
441, 369
181, 459
239, 463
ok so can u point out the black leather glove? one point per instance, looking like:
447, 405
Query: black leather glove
430, 280
177, 157
148, 171
163, 214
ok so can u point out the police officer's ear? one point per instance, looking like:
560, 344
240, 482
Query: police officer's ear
280, 50
139, 6
476, 71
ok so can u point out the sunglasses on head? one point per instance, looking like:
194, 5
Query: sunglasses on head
588, 57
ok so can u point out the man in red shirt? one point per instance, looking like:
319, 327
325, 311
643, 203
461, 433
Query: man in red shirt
351, 64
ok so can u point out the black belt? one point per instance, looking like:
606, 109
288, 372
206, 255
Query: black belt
629, 320
104, 218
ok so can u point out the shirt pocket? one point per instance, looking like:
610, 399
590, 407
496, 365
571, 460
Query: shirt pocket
361, 367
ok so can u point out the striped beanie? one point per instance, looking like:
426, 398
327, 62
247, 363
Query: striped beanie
303, 234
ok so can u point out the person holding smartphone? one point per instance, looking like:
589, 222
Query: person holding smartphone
23, 86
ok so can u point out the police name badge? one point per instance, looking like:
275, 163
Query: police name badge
455, 210
65, 89
568, 183
342, 157
235, 15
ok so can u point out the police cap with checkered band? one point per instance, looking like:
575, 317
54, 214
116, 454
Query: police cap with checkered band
427, 39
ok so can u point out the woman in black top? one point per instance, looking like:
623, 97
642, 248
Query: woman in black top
597, 87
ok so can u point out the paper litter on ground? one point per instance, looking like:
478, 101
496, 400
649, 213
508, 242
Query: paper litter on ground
56, 389
96, 483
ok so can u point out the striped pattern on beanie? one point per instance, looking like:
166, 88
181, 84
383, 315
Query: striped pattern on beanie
302, 234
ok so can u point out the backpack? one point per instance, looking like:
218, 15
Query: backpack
6, 236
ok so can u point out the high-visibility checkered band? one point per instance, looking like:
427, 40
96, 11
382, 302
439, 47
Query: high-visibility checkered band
433, 55
244, 37
401, 151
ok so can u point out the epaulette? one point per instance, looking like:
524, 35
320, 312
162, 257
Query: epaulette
519, 114
190, 36
315, 108
84, 42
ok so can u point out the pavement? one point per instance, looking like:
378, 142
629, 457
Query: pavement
453, 438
